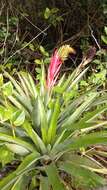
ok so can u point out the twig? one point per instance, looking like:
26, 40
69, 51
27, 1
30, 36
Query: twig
92, 159
30, 22
27, 44
92, 34
6, 36
15, 39
2, 8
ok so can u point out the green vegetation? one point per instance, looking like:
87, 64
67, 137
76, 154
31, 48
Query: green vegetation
51, 133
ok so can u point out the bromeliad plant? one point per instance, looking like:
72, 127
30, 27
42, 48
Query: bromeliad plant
52, 134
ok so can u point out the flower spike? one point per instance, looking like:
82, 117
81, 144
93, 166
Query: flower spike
57, 59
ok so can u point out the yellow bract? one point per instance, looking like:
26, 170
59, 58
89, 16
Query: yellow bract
64, 51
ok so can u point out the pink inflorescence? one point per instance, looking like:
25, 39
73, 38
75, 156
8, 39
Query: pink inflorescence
53, 70
58, 57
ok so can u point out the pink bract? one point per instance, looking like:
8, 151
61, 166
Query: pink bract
53, 70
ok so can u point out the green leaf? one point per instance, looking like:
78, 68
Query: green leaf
7, 182
91, 115
54, 178
53, 122
16, 102
24, 86
20, 171
70, 108
42, 82
28, 162
9, 110
35, 115
27, 83
17, 149
88, 118
7, 89
20, 183
23, 100
34, 136
31, 46
75, 116
16, 85
16, 140
42, 50
58, 140
2, 113
104, 39
44, 184
61, 80
6, 156
62, 85
20, 117
89, 139
6, 112
100, 125
78, 77
47, 13
38, 61
105, 29
33, 86
1, 79
81, 160
43, 120
84, 177
75, 143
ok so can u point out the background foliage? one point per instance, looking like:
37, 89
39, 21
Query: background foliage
73, 22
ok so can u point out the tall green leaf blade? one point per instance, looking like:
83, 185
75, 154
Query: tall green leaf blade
86, 122
16, 85
16, 102
23, 101
89, 139
54, 178
88, 118
20, 119
53, 122
43, 120
85, 177
62, 85
34, 136
82, 160
27, 83
7, 89
17, 149
75, 116
33, 86
59, 139
44, 184
101, 124
61, 80
42, 81
28, 162
16, 140
71, 106
75, 143
96, 113
7, 182
22, 169
35, 115
23, 85
78, 78
20, 183
68, 80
